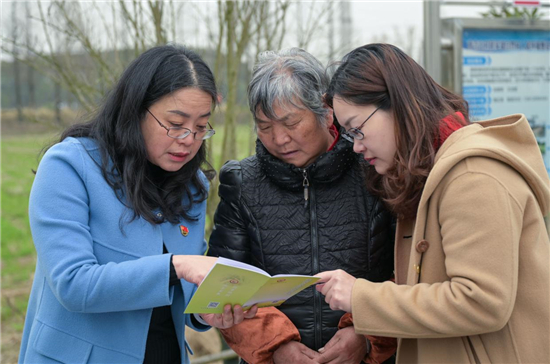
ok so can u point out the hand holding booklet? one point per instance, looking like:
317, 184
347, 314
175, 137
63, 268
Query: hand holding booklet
236, 283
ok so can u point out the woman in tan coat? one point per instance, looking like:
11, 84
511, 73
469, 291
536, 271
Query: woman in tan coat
472, 250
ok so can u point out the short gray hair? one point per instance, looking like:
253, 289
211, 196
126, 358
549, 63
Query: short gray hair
290, 77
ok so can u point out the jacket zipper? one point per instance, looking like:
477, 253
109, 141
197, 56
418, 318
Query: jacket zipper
309, 197
305, 183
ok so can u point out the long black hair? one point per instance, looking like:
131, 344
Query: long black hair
116, 128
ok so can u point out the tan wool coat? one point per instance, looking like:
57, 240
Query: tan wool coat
472, 272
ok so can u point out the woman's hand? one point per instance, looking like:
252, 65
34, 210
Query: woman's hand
345, 347
193, 268
336, 286
229, 318
296, 353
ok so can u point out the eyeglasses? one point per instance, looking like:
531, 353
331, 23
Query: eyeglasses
179, 132
356, 133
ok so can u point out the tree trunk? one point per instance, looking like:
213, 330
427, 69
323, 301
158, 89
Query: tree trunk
157, 12
31, 87
17, 89
228, 147
57, 102
30, 70
16, 63
213, 198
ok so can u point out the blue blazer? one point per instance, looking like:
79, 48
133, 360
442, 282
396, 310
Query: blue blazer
95, 286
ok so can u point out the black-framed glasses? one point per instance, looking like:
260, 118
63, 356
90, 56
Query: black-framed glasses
179, 132
356, 133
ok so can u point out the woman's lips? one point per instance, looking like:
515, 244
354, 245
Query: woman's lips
178, 157
370, 160
288, 154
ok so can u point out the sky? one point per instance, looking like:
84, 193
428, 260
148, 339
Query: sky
388, 21
374, 19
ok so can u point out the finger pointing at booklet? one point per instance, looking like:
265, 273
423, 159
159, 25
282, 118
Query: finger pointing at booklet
336, 286
193, 268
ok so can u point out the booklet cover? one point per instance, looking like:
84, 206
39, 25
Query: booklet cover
236, 283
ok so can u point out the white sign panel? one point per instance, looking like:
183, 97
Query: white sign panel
507, 72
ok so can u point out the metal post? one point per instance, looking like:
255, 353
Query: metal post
432, 39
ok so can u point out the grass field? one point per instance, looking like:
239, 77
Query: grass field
19, 157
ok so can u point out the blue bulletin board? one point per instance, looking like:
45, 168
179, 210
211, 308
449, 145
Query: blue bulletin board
502, 70
506, 72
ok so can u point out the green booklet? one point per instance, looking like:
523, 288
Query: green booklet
230, 281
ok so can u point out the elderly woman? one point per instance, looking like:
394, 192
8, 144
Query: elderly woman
300, 206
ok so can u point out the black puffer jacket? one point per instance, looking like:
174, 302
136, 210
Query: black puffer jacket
264, 219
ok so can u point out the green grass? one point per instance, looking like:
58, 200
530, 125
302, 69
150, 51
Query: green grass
19, 157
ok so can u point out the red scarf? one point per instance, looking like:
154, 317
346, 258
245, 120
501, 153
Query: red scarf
334, 131
447, 126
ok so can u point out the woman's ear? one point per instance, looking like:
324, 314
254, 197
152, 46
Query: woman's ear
330, 112
330, 117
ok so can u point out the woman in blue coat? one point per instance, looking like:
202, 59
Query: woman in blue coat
117, 213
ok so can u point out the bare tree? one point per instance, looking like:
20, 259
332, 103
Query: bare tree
57, 103
235, 21
404, 38
317, 14
241, 24
16, 64
73, 55
330, 34
29, 43
85, 64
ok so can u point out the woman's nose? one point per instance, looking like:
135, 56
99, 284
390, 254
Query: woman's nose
358, 146
280, 136
188, 140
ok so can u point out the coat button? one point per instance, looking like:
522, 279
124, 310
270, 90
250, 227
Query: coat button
422, 246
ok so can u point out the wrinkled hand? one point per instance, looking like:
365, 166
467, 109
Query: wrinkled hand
295, 353
193, 268
345, 347
229, 318
336, 286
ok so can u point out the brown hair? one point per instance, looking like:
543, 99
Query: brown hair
384, 76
